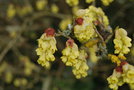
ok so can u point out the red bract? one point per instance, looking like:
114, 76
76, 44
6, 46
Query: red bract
70, 42
123, 63
119, 69
50, 32
79, 21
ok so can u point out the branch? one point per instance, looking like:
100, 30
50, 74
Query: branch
12, 42
103, 42
8, 47
46, 83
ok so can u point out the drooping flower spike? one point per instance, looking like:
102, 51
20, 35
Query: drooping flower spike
80, 68
70, 53
122, 42
121, 74
84, 28
46, 48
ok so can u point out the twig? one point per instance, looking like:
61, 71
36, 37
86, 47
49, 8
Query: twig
46, 83
16, 51
12, 42
100, 36
8, 47
41, 14
23, 28
94, 3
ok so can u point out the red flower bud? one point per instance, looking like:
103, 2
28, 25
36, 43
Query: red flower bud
70, 42
119, 69
123, 63
50, 32
79, 21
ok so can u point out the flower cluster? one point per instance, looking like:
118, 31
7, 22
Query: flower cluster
11, 11
122, 42
131, 86
70, 53
128, 73
76, 2
40, 4
27, 9
89, 1
6, 72
29, 67
21, 11
46, 48
91, 29
8, 77
75, 58
72, 2
116, 59
54, 8
122, 74
81, 67
106, 2
18, 82
115, 80
84, 28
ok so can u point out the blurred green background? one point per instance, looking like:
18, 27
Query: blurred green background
22, 22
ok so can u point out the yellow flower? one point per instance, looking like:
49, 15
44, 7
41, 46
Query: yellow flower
115, 80
40, 4
22, 11
93, 56
3, 67
84, 28
16, 83
122, 42
75, 9
11, 11
81, 67
112, 80
128, 73
81, 12
85, 31
70, 53
114, 59
29, 68
64, 23
24, 82
72, 2
91, 43
98, 14
28, 65
106, 2
8, 77
46, 49
131, 86
122, 74
54, 8
89, 1
20, 82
